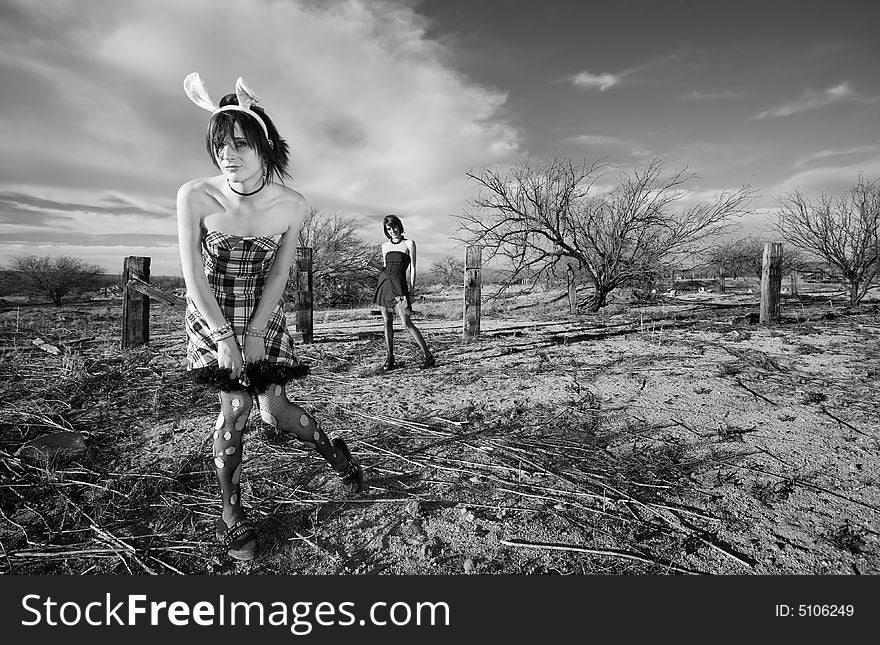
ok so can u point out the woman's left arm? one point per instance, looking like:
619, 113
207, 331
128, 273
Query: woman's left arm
412, 265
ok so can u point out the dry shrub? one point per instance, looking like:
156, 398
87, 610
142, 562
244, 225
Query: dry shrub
849, 538
806, 397
772, 492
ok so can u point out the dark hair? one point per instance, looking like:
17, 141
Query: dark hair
391, 220
221, 128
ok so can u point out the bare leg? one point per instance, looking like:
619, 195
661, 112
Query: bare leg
388, 319
277, 410
406, 315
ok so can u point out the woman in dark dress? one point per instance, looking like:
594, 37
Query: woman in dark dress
237, 233
394, 291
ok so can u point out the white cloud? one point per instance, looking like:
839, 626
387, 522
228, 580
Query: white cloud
371, 111
375, 117
824, 154
812, 100
834, 180
589, 81
602, 141
597, 140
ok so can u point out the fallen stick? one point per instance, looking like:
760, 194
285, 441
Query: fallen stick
412, 425
447, 440
729, 552
842, 422
111, 539
166, 565
417, 463
760, 396
315, 546
795, 480
108, 552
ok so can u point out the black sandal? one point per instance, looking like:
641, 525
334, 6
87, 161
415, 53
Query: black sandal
352, 475
388, 365
239, 540
430, 361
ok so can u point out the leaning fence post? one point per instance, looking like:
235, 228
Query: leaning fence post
135, 305
472, 292
303, 290
572, 292
771, 282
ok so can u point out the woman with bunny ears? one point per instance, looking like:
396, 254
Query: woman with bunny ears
238, 233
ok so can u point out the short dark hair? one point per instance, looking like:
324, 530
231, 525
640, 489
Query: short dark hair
391, 220
221, 128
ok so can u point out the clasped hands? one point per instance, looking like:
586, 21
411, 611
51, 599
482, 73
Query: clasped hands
233, 357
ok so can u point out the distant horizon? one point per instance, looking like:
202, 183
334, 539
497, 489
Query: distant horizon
703, 268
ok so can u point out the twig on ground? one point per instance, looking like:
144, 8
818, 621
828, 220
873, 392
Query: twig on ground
800, 482
689, 429
842, 422
756, 394
316, 546
166, 565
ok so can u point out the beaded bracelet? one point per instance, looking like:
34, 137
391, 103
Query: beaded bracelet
222, 332
256, 333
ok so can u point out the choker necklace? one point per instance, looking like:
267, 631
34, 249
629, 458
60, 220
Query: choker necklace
263, 185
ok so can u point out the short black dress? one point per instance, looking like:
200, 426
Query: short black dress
393, 287
236, 268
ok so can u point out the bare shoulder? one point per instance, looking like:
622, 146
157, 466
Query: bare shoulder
410, 244
291, 204
201, 190
290, 197
195, 196
195, 187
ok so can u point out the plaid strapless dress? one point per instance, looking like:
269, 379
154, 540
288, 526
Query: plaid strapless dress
236, 268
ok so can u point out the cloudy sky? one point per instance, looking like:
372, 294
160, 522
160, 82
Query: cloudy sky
387, 104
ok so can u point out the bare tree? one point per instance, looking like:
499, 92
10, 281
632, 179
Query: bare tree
745, 256
448, 270
842, 231
537, 216
345, 267
55, 277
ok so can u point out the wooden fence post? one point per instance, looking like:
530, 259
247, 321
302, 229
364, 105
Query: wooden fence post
472, 292
572, 292
771, 282
135, 305
721, 276
303, 290
793, 281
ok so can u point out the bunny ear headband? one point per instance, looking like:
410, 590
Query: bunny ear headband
195, 89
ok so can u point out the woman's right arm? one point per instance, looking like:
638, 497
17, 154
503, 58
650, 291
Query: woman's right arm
197, 288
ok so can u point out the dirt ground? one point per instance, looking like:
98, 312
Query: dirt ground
670, 438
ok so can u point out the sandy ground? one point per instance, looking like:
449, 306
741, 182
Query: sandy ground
675, 438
